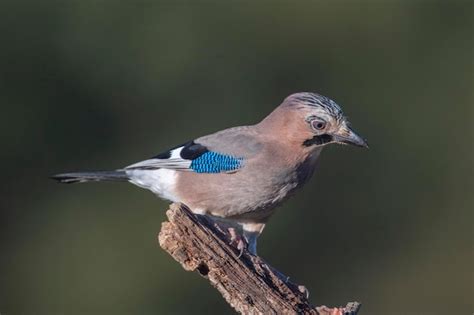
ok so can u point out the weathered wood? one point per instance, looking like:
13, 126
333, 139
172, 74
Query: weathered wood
247, 282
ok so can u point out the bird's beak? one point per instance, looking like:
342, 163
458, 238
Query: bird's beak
349, 136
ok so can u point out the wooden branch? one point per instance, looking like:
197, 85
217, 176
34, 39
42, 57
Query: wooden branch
247, 283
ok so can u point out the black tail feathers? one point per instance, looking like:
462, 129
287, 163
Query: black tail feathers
82, 177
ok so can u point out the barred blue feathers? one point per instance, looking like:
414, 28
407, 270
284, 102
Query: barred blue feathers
212, 162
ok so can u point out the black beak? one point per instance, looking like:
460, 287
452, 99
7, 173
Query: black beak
352, 138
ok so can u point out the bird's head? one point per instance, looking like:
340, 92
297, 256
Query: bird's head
315, 120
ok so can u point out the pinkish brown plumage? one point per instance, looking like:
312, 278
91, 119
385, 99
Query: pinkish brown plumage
242, 174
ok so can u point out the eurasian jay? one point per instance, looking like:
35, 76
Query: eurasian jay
241, 174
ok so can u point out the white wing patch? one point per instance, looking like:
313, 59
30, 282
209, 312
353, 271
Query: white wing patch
176, 153
175, 161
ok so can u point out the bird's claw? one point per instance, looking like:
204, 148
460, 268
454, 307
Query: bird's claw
303, 290
286, 279
237, 240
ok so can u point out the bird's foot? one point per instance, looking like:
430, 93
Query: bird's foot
237, 240
304, 290
301, 288
280, 275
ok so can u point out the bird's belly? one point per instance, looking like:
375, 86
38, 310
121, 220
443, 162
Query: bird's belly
233, 195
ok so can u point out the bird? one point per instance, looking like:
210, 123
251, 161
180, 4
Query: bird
241, 174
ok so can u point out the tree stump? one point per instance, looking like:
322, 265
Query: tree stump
247, 283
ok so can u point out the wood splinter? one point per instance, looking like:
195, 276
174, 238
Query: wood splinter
247, 283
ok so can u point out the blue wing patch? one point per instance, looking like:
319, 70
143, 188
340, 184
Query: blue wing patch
212, 162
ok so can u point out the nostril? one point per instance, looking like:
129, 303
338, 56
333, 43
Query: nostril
203, 269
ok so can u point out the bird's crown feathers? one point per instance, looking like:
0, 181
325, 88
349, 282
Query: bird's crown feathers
315, 100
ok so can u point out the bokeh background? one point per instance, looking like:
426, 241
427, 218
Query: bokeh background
99, 85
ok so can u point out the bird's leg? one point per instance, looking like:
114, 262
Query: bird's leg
251, 232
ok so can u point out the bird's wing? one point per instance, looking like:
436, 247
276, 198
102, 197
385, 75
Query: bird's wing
222, 152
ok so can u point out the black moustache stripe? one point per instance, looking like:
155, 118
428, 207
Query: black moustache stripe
317, 140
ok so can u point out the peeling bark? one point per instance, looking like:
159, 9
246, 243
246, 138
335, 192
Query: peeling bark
247, 283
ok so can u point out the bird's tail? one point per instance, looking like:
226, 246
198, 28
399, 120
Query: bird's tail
82, 177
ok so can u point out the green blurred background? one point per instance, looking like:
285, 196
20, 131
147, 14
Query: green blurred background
99, 85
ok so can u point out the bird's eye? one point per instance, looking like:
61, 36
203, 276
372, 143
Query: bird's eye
318, 124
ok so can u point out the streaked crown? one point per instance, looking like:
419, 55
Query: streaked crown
315, 100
